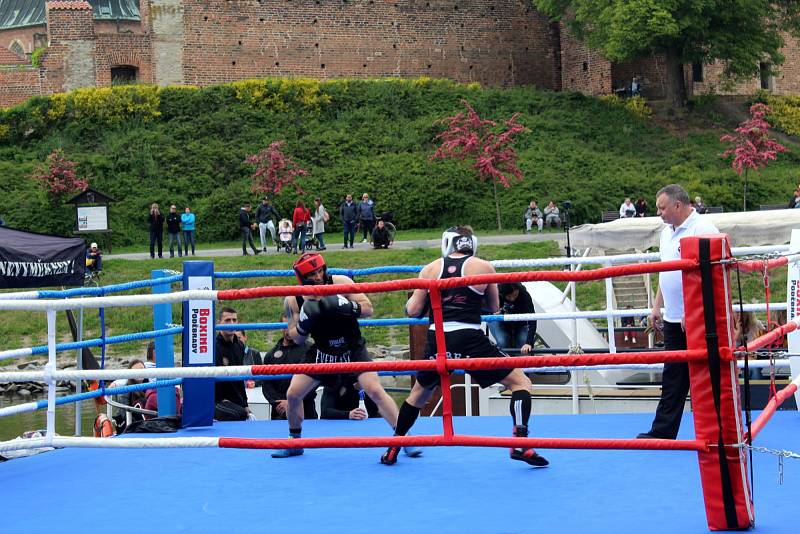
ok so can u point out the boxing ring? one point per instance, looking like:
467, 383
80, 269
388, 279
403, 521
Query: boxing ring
338, 485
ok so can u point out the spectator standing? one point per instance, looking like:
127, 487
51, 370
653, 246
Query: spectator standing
380, 236
155, 223
188, 222
533, 215
94, 258
672, 203
641, 207
699, 206
245, 227
348, 212
627, 209
366, 217
230, 397
286, 351
300, 219
552, 217
266, 215
341, 402
318, 220
174, 231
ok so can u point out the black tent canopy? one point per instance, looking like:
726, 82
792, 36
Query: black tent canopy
30, 260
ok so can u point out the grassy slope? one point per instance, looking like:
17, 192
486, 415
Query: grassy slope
377, 137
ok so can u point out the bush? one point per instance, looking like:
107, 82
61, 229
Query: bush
142, 144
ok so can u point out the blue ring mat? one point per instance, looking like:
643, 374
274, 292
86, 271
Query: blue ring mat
447, 490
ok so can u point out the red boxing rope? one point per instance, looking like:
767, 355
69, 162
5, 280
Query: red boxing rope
750, 266
423, 283
769, 410
466, 441
474, 364
772, 336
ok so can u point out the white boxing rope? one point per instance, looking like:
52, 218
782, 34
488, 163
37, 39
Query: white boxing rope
119, 301
19, 408
245, 370
111, 374
624, 258
110, 443
19, 295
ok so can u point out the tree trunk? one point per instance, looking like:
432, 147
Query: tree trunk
496, 205
675, 81
744, 196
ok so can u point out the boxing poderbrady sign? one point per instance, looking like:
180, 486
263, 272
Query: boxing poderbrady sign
200, 329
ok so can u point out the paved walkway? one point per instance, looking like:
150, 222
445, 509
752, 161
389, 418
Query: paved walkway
335, 245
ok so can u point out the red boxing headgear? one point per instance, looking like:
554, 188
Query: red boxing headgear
307, 264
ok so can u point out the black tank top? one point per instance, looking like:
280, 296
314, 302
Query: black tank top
459, 304
334, 335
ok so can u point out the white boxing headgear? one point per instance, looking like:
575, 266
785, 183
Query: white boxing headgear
452, 241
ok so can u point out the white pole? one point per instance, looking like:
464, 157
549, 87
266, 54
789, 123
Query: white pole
612, 341
50, 368
79, 383
576, 375
467, 394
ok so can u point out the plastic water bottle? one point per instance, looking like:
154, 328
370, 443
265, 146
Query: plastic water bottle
361, 403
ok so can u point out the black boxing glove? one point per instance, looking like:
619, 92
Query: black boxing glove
310, 313
339, 305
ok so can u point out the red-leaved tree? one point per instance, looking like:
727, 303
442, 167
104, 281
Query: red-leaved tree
751, 145
58, 176
471, 138
274, 170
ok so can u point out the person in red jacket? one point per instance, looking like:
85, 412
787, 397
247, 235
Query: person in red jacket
300, 219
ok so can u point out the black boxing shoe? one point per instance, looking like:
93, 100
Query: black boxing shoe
529, 456
390, 456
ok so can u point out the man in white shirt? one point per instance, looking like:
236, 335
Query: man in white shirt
627, 209
672, 203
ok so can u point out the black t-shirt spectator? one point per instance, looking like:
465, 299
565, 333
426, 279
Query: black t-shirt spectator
522, 304
275, 390
173, 223
380, 237
338, 402
232, 353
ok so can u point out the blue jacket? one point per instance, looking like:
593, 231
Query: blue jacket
188, 221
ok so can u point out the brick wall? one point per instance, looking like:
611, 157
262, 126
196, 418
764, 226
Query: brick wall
494, 42
70, 23
582, 69
17, 85
121, 49
651, 73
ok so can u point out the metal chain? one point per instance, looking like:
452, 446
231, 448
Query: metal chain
780, 453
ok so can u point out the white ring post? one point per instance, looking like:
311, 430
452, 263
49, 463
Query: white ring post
793, 310
576, 375
79, 367
612, 341
48, 377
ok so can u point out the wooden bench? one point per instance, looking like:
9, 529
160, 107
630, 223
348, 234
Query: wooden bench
714, 209
608, 216
769, 207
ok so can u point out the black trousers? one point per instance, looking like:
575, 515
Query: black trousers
674, 387
156, 236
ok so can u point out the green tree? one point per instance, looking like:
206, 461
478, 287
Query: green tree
742, 33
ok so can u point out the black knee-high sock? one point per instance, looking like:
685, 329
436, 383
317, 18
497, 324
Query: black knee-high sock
520, 407
406, 418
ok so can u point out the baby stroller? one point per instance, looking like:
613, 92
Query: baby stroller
285, 230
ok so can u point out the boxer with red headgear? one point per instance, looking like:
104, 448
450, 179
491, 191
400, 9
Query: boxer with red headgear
332, 322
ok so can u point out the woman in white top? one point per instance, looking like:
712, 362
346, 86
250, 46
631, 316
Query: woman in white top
318, 219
